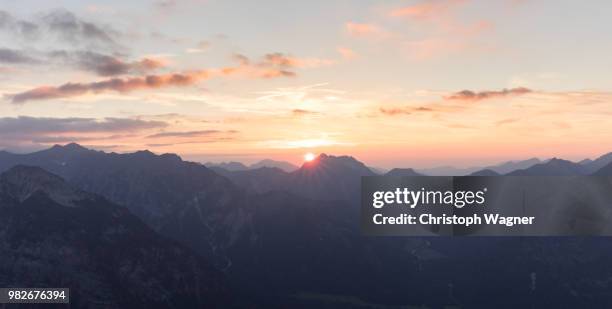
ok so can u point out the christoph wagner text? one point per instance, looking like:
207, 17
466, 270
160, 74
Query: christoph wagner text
414, 198
453, 220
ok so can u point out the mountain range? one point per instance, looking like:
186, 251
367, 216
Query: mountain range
238, 166
53, 235
283, 239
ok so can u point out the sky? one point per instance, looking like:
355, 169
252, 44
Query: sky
392, 83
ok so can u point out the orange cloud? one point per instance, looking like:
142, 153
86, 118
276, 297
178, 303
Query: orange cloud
446, 33
302, 112
282, 60
272, 66
113, 84
404, 110
395, 111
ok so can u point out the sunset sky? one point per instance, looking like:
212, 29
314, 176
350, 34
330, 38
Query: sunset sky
392, 83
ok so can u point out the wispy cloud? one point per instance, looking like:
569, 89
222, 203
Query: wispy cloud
286, 61
303, 112
427, 10
200, 133
120, 85
407, 110
366, 30
272, 66
469, 95
439, 30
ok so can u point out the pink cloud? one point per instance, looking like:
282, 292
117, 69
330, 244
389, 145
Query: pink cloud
365, 30
427, 10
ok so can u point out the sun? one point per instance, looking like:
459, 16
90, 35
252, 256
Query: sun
309, 157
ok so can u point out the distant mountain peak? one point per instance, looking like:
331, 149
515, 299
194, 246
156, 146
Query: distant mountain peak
553, 167
285, 166
337, 164
401, 172
339, 159
597, 164
145, 152
69, 147
171, 156
485, 172
558, 161
231, 166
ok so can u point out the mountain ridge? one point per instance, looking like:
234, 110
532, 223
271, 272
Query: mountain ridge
97, 249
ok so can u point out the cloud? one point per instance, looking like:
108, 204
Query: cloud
25, 29
105, 65
63, 25
366, 30
443, 32
101, 64
282, 60
297, 95
15, 56
44, 125
120, 85
303, 112
272, 66
423, 109
468, 95
346, 53
200, 133
31, 133
395, 111
201, 47
427, 10
73, 29
169, 138
408, 110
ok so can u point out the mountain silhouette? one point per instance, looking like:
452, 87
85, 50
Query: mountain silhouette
285, 166
485, 172
604, 171
329, 178
510, 166
230, 166
597, 164
53, 235
324, 178
298, 244
502, 168
400, 172
259, 180
554, 167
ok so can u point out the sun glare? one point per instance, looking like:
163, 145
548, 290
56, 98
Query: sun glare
309, 157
